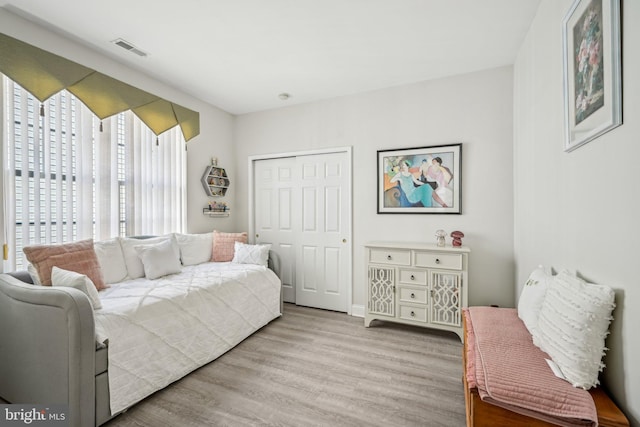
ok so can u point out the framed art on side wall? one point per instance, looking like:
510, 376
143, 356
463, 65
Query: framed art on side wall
420, 180
592, 81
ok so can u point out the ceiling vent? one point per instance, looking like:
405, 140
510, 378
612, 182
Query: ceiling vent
128, 46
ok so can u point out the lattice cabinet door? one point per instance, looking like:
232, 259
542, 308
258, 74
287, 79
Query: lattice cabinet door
446, 298
382, 291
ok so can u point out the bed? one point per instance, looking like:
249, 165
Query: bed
55, 349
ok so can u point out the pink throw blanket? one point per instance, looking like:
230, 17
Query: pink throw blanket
511, 372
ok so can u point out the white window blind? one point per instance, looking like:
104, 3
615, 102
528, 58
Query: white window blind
66, 180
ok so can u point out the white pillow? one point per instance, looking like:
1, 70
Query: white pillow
71, 279
195, 248
573, 323
159, 259
33, 272
111, 260
251, 254
135, 269
532, 297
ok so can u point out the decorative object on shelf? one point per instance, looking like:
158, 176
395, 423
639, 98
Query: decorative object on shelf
215, 180
218, 206
217, 209
440, 234
420, 180
592, 76
457, 238
214, 161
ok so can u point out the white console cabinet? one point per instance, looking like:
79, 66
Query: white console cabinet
417, 284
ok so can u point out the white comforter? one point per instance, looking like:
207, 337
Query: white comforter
160, 330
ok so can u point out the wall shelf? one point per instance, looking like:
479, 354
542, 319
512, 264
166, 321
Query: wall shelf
215, 212
215, 181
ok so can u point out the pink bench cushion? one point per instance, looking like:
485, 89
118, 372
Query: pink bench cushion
511, 372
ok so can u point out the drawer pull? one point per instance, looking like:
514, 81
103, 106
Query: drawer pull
413, 277
413, 295
413, 314
437, 260
389, 257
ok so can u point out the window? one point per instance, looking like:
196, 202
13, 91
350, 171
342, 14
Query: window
69, 176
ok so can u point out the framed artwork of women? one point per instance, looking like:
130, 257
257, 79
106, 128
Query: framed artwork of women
420, 180
592, 83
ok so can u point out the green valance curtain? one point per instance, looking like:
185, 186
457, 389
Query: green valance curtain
44, 74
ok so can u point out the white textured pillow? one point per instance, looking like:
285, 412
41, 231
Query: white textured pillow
111, 260
195, 248
532, 297
251, 254
159, 259
71, 279
135, 269
573, 323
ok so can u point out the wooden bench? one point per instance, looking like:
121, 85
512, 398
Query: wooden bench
480, 413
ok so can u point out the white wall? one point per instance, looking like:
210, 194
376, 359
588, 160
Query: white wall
215, 140
475, 109
580, 210
216, 126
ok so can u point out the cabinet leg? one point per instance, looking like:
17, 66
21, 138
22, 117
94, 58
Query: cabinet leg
367, 322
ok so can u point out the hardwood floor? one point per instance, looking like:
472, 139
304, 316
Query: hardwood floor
318, 368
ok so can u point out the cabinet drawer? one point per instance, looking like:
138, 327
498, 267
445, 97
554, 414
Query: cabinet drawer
390, 256
414, 277
413, 295
417, 314
438, 260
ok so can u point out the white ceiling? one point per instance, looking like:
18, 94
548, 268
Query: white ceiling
240, 54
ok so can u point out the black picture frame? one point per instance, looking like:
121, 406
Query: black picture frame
402, 175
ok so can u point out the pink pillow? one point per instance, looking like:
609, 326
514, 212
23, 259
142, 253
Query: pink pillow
224, 245
78, 256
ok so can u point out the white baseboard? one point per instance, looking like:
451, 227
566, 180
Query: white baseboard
357, 310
